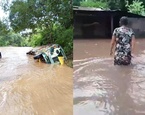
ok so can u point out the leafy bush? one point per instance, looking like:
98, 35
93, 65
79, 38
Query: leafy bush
56, 35
96, 4
76, 2
136, 7
36, 39
11, 38
64, 37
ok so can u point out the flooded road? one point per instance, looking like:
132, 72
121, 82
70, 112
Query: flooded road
100, 88
33, 88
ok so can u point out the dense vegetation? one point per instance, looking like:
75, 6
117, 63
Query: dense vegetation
134, 6
48, 22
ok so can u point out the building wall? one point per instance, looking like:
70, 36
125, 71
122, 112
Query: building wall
92, 27
138, 25
98, 25
77, 27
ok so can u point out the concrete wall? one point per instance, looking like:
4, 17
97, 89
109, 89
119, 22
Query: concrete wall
138, 25
100, 26
91, 27
78, 27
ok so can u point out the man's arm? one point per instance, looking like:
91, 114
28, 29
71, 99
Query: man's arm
133, 44
113, 41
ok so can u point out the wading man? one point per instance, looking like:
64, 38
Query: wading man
123, 39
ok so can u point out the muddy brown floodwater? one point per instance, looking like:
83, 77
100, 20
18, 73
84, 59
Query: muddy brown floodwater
100, 88
32, 88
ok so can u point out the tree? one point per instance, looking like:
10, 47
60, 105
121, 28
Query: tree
46, 18
11, 38
3, 28
34, 13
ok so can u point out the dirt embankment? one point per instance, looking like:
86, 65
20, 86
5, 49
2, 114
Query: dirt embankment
69, 61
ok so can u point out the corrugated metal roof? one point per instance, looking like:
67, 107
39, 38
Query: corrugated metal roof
87, 8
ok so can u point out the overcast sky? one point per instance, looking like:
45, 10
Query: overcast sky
2, 14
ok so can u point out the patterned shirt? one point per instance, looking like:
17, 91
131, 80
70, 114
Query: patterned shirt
123, 37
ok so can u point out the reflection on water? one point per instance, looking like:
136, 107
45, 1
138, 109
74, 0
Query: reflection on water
100, 88
32, 88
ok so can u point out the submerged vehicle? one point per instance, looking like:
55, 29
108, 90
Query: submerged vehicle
50, 55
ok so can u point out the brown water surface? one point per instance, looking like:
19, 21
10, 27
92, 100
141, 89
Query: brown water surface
100, 88
32, 88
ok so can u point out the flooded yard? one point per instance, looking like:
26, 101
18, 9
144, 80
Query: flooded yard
100, 88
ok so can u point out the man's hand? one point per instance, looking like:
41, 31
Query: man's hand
113, 42
132, 55
111, 52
